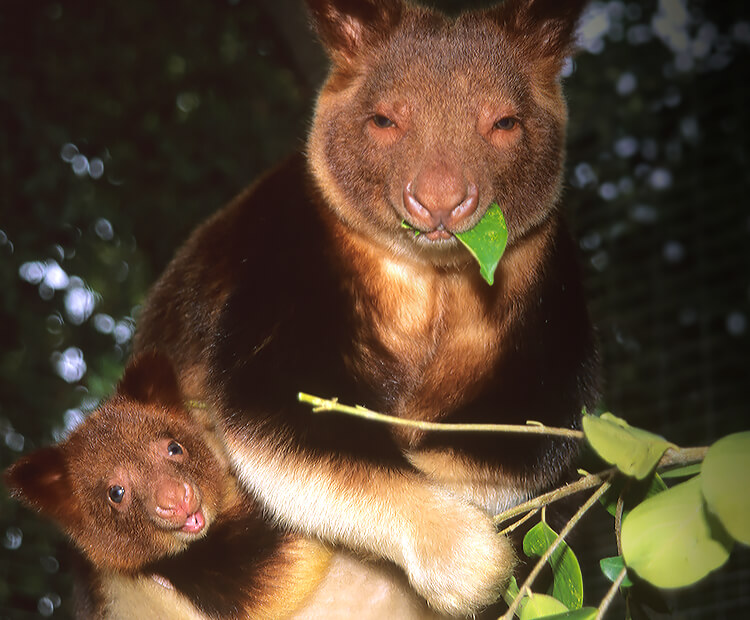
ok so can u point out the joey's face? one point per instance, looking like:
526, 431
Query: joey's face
146, 487
138, 480
439, 121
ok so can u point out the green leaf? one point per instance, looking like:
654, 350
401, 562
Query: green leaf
635, 492
682, 472
540, 606
634, 451
511, 592
725, 479
586, 613
612, 567
669, 539
487, 241
567, 586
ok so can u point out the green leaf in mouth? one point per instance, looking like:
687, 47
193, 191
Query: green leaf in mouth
486, 241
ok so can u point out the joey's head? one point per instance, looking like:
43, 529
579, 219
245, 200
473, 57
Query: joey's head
430, 119
136, 481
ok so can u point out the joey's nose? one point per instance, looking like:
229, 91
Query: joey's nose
174, 499
439, 197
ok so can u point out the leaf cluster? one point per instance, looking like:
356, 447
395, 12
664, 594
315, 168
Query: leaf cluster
668, 537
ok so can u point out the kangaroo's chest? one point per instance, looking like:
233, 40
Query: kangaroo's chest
426, 337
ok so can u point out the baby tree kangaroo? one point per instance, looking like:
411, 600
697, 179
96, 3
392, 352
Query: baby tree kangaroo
308, 282
144, 490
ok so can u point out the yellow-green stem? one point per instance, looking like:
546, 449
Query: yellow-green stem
325, 405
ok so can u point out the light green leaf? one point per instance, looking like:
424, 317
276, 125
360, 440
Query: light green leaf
511, 592
612, 567
725, 479
487, 241
540, 606
637, 491
682, 472
669, 539
568, 582
634, 451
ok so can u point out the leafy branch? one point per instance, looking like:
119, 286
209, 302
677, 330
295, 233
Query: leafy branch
670, 537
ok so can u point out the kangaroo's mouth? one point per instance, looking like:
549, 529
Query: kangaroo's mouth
194, 523
436, 234
439, 234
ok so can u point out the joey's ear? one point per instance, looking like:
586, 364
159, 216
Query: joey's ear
347, 27
150, 378
543, 29
41, 481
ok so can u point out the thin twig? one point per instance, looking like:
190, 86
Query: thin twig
619, 511
609, 597
526, 587
587, 482
534, 428
520, 522
682, 456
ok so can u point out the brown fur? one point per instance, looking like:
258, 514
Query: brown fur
307, 282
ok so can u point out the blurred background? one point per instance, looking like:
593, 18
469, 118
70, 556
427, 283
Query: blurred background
126, 124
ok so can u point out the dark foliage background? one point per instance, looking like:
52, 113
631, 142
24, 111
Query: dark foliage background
125, 124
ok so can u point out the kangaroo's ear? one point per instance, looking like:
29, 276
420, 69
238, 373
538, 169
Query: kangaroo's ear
544, 30
41, 481
150, 378
348, 27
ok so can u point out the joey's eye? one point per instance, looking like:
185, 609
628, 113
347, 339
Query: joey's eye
382, 122
505, 124
174, 449
116, 493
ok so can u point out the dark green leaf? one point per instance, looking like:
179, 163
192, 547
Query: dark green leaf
568, 582
612, 567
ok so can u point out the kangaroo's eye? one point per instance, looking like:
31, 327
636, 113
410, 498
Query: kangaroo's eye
116, 493
505, 124
174, 449
382, 122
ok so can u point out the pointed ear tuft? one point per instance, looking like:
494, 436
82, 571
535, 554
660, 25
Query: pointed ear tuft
40, 480
347, 27
543, 29
150, 378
